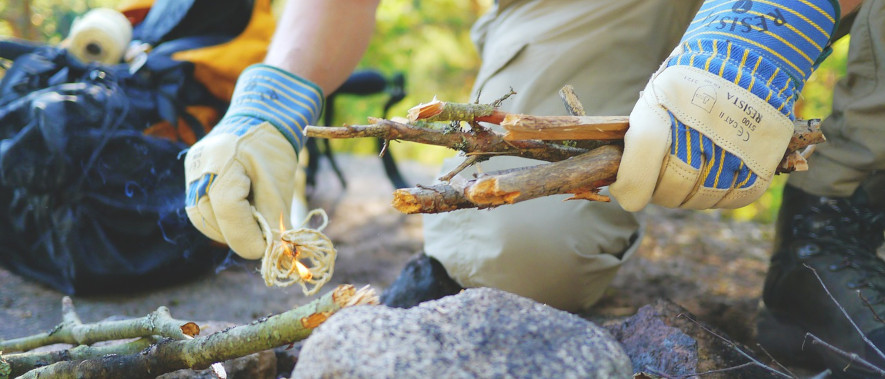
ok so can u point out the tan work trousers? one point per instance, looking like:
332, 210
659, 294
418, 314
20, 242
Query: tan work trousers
854, 153
560, 253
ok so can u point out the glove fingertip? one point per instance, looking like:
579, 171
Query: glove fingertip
645, 148
246, 238
629, 196
202, 223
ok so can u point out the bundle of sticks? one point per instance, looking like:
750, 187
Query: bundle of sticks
583, 152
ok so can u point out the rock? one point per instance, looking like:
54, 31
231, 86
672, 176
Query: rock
477, 333
660, 340
287, 357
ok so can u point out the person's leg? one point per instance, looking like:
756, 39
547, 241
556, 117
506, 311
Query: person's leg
560, 253
832, 217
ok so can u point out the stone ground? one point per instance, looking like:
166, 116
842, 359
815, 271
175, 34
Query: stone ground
711, 266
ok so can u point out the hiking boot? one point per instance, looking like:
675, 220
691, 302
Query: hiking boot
838, 238
423, 279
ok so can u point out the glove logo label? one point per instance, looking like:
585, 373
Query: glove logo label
195, 155
736, 120
705, 98
757, 22
745, 107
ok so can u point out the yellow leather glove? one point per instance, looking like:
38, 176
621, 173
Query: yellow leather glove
250, 159
713, 123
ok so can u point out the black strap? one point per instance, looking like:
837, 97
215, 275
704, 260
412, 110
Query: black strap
360, 83
14, 48
174, 19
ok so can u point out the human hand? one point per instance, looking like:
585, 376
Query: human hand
250, 158
714, 121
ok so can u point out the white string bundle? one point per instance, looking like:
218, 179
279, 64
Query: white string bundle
101, 35
278, 267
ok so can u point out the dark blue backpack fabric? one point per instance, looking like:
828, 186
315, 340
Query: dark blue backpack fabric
89, 203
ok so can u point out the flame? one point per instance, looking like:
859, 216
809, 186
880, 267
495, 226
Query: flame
292, 250
303, 272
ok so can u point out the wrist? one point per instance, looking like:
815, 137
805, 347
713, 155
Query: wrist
268, 94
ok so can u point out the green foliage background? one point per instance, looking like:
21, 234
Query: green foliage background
429, 41
52, 19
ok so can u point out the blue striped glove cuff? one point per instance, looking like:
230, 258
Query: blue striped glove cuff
268, 94
744, 67
791, 34
768, 48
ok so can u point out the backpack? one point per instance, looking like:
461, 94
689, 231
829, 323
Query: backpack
91, 175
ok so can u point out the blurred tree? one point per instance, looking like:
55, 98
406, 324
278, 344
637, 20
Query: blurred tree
18, 19
45, 21
429, 41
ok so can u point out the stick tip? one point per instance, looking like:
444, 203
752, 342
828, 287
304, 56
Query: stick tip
424, 111
346, 295
487, 192
364, 296
405, 202
67, 305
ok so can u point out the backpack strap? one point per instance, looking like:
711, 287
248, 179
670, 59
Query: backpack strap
173, 19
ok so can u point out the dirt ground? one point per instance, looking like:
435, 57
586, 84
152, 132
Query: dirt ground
712, 267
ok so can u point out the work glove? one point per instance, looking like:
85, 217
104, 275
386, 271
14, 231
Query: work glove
713, 123
250, 159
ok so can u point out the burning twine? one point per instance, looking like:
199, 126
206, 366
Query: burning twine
280, 265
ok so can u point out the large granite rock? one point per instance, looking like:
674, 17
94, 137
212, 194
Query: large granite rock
477, 333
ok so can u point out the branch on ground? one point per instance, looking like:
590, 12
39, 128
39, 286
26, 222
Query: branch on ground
197, 353
72, 331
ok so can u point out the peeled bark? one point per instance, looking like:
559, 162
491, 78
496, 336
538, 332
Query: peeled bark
520, 127
581, 176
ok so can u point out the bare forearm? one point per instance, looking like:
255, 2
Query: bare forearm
849, 6
322, 40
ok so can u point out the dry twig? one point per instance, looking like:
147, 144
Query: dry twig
578, 171
853, 357
488, 142
752, 361
581, 176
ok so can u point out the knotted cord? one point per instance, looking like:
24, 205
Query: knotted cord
305, 246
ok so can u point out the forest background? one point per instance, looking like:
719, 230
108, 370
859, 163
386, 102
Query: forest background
427, 41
